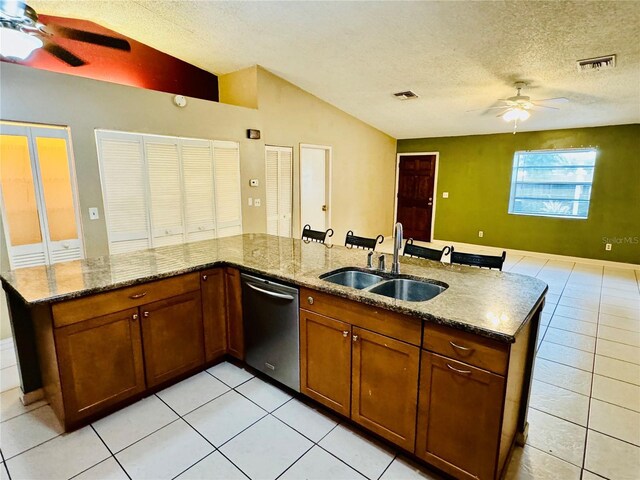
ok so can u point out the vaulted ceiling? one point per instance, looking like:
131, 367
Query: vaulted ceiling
456, 55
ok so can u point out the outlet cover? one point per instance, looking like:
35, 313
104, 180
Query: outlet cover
445, 194
480, 233
93, 213
256, 202
607, 247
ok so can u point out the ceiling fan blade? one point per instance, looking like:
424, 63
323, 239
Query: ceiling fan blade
485, 109
535, 105
63, 54
90, 37
555, 100
502, 113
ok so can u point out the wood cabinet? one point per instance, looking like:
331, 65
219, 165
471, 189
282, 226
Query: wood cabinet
357, 371
100, 362
214, 317
98, 351
235, 330
385, 386
459, 417
173, 337
325, 361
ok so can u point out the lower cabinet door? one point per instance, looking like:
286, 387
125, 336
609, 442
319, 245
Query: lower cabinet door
172, 334
214, 313
100, 363
235, 331
459, 417
385, 386
325, 361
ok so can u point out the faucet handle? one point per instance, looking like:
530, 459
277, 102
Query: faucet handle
370, 259
381, 263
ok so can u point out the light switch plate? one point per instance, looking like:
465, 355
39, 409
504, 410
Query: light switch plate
93, 213
256, 202
253, 182
445, 194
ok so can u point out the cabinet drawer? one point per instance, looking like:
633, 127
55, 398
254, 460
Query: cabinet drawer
80, 309
375, 319
466, 347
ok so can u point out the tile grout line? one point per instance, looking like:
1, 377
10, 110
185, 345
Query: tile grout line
24, 413
4, 464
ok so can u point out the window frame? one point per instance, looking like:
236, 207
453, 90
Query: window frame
515, 182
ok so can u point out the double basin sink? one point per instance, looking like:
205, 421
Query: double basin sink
394, 286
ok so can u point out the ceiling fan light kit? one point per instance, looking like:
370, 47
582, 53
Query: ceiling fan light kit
17, 44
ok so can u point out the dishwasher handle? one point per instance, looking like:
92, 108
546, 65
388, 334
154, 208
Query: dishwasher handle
283, 296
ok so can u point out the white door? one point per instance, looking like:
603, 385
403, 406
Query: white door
279, 189
314, 187
39, 203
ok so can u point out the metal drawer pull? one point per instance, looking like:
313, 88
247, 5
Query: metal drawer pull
310, 300
137, 295
355, 338
270, 293
464, 372
465, 349
145, 314
345, 333
134, 317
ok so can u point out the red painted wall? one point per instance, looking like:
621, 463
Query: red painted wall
142, 67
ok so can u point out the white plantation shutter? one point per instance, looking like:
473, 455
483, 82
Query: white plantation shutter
123, 175
165, 190
197, 170
226, 160
285, 190
271, 185
279, 189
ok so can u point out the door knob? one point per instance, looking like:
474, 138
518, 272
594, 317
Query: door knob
355, 338
345, 334
324, 208
134, 317
145, 314
204, 277
310, 300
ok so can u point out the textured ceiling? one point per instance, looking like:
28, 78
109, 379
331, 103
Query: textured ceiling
456, 55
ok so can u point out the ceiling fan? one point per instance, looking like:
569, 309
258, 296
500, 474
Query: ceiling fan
21, 33
517, 108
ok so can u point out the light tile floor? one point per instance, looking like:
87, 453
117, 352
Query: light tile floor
226, 424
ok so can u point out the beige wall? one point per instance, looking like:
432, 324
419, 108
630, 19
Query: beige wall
363, 157
363, 164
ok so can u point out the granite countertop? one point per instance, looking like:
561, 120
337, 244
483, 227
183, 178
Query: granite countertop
491, 303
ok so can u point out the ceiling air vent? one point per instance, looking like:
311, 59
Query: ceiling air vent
408, 95
596, 64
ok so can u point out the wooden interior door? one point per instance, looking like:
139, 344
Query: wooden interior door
325, 361
214, 313
416, 177
384, 395
235, 328
100, 363
459, 417
172, 336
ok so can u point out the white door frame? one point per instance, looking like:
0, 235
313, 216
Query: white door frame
328, 184
435, 187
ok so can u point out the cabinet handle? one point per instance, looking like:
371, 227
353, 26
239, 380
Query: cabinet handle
459, 347
145, 314
134, 317
463, 372
345, 333
137, 295
310, 300
355, 338
204, 277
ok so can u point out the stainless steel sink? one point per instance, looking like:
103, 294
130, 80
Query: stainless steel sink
407, 289
353, 278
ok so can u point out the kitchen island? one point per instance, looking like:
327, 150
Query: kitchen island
99, 333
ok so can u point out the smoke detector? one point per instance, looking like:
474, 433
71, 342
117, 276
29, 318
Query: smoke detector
406, 95
596, 64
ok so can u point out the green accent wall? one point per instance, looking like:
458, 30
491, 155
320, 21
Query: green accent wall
476, 171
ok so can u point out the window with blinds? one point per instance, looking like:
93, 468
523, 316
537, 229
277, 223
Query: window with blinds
552, 183
38, 198
161, 190
279, 189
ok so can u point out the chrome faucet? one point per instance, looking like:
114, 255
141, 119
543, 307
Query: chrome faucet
397, 245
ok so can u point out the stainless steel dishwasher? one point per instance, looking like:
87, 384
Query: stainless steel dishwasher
271, 329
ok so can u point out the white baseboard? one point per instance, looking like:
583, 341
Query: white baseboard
590, 261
